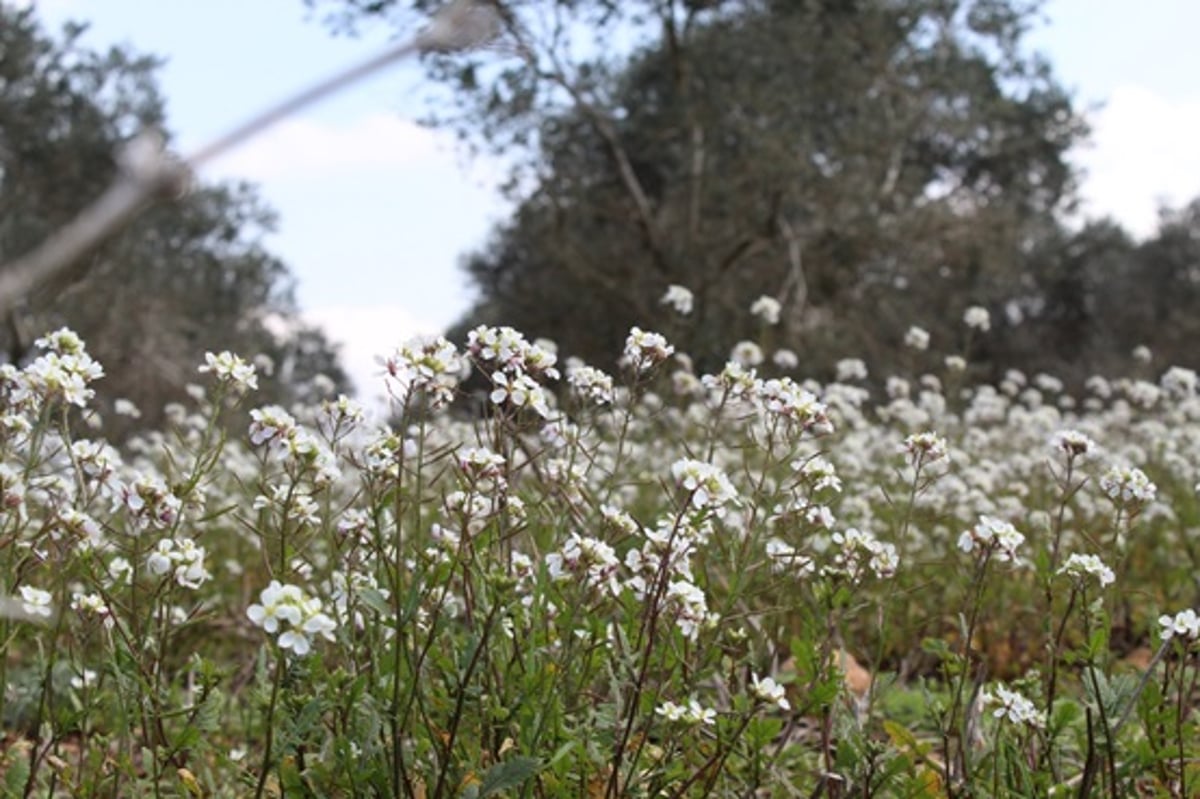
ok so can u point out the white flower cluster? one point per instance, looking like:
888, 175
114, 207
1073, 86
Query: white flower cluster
688, 605
63, 373
591, 383
784, 397
680, 298
149, 501
424, 365
769, 691
94, 605
182, 559
1184, 624
519, 391
1072, 443
587, 559
859, 554
666, 555
977, 318
851, 369
518, 365
1128, 486
692, 713
481, 462
925, 448
818, 473
36, 602
665, 549
1082, 566
1179, 383
1013, 707
270, 424
746, 354
231, 370
507, 349
736, 381
992, 535
645, 350
767, 309
916, 338
286, 604
707, 485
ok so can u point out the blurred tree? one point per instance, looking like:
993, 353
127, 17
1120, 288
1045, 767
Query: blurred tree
186, 277
869, 163
1154, 298
1062, 322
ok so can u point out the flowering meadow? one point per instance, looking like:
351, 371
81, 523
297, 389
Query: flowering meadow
553, 581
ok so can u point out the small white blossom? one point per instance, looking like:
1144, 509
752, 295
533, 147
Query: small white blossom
281, 605
231, 369
124, 407
1081, 566
1184, 624
767, 309
645, 350
36, 602
785, 359
691, 713
425, 366
925, 448
851, 369
591, 383
1127, 486
519, 391
271, 424
769, 691
1072, 443
994, 535
916, 338
746, 354
679, 298
708, 485
977, 318
1013, 707
1179, 383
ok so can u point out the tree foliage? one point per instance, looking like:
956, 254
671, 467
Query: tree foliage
186, 277
871, 164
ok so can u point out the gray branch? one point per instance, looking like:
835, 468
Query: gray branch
147, 172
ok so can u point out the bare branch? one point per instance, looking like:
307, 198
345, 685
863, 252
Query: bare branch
147, 172
608, 132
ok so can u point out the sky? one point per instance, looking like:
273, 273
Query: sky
376, 211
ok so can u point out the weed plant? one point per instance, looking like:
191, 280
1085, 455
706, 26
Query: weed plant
652, 583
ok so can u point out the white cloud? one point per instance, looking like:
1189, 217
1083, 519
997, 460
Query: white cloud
1143, 154
366, 333
310, 149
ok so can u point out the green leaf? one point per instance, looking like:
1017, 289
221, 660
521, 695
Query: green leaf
760, 732
16, 774
373, 599
900, 736
562, 752
506, 775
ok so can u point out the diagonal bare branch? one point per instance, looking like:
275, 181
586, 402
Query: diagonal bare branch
147, 172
